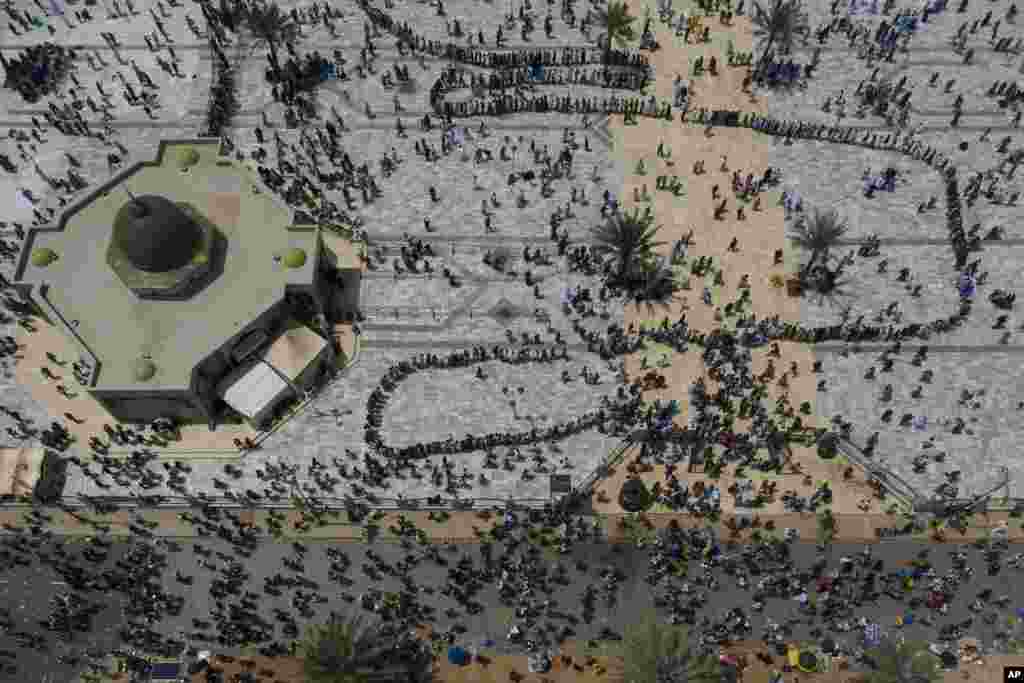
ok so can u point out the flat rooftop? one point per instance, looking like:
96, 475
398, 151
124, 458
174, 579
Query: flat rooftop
117, 326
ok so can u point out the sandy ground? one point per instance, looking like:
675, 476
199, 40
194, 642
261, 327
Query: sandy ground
579, 668
467, 527
489, 669
759, 235
847, 492
989, 670
196, 440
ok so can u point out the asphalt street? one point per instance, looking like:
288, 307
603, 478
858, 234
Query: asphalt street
25, 591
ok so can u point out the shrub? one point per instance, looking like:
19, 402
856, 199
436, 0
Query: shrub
52, 478
43, 256
500, 258
223, 103
634, 496
187, 158
294, 258
828, 445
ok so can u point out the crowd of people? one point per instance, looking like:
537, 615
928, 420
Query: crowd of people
388, 384
38, 70
767, 569
837, 596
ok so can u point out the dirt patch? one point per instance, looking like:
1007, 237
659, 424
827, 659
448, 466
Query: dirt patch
225, 208
759, 234
575, 666
89, 414
989, 670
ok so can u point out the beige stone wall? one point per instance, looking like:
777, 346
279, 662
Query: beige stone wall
19, 470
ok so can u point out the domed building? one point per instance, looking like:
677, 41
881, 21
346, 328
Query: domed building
190, 293
158, 250
155, 234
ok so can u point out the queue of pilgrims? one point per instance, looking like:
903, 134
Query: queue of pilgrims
521, 567
852, 588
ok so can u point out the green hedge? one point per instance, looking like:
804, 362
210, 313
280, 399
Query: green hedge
52, 478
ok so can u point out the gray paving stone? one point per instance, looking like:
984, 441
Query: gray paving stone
434, 404
996, 422
930, 266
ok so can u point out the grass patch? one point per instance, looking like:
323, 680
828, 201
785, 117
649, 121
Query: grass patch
759, 475
898, 508
503, 615
604, 648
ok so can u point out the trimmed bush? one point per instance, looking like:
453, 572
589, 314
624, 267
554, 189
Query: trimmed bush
294, 258
187, 158
43, 256
807, 661
828, 445
52, 478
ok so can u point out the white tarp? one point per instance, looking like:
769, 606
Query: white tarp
256, 388
252, 390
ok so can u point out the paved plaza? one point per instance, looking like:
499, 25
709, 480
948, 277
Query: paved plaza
411, 314
952, 415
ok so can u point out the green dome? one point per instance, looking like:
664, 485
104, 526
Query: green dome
43, 257
294, 258
187, 157
144, 370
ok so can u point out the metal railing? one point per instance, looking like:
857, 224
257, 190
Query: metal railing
406, 312
616, 456
892, 483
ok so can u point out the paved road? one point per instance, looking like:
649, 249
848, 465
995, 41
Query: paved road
27, 590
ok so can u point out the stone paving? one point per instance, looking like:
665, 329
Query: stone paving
452, 408
994, 419
827, 176
930, 266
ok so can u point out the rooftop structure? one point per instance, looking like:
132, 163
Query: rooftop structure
174, 275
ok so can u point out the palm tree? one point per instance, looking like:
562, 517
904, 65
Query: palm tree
907, 662
655, 286
818, 235
617, 23
778, 24
349, 651
656, 652
627, 238
832, 286
329, 653
268, 23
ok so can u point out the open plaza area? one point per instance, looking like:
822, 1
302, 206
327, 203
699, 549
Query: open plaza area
912, 279
659, 269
